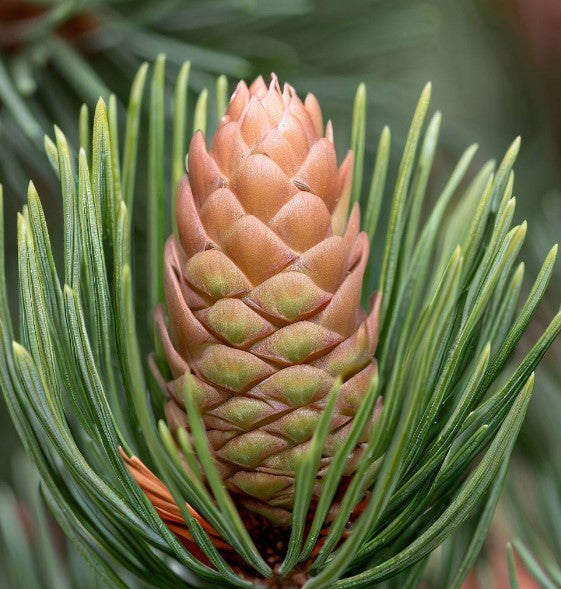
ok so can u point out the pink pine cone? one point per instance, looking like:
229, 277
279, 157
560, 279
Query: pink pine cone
263, 292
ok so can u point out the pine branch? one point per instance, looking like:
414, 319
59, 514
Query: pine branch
73, 374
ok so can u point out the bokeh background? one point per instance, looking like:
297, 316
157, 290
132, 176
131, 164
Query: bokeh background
495, 66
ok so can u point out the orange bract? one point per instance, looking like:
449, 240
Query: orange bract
168, 509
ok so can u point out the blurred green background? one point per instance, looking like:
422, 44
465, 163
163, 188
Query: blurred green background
496, 72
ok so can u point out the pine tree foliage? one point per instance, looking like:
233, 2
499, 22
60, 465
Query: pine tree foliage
75, 381
535, 506
57, 54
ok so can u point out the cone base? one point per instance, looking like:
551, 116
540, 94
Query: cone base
271, 541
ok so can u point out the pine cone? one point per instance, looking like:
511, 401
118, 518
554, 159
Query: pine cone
263, 292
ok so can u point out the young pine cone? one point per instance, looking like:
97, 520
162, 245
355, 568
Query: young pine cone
263, 292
